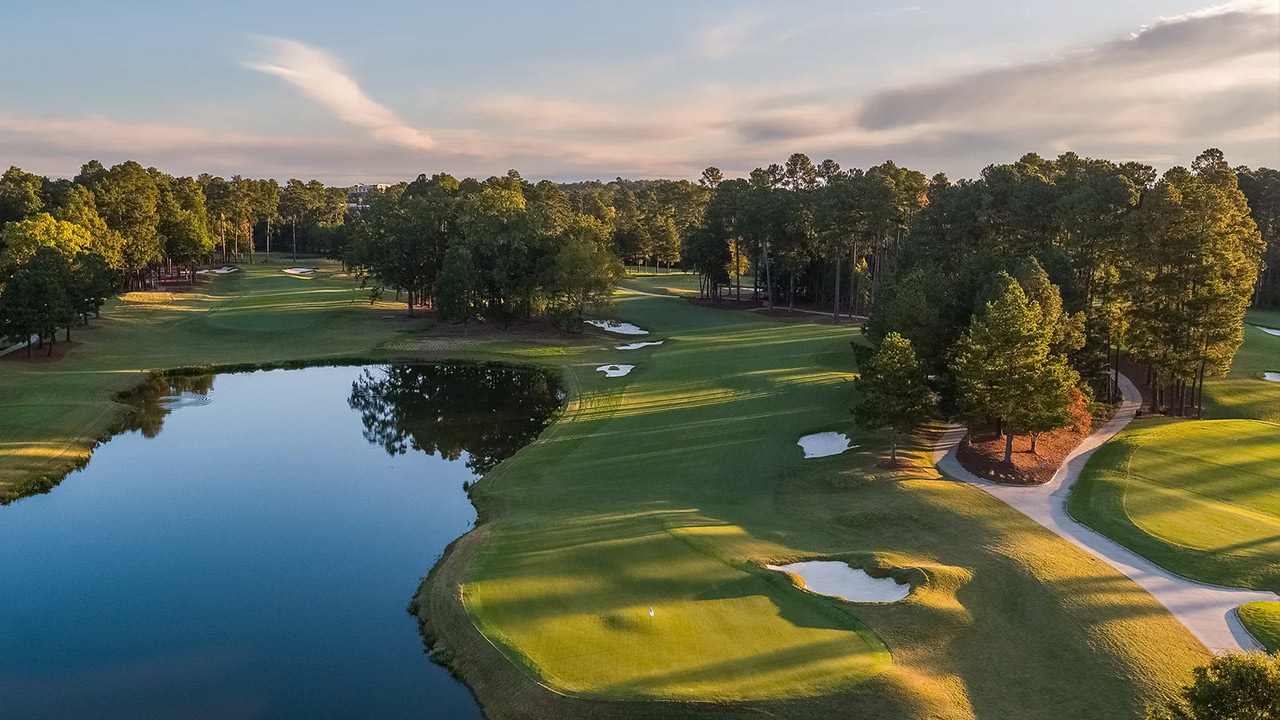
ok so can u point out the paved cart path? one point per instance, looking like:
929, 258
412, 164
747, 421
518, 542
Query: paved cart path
1208, 611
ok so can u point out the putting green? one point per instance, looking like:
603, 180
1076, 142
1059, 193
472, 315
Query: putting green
1200, 498
718, 631
1263, 620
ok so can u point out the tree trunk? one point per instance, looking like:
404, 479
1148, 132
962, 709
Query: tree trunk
835, 307
893, 447
737, 269
1008, 449
1200, 396
768, 275
791, 294
1034, 438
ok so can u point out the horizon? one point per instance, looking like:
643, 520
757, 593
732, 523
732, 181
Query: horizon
576, 93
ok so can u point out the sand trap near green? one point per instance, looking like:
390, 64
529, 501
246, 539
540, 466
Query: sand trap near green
1200, 498
718, 631
836, 579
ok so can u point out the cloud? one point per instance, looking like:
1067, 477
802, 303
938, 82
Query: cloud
726, 38
322, 78
1142, 83
1161, 95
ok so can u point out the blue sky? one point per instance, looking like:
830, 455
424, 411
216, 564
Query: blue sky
568, 90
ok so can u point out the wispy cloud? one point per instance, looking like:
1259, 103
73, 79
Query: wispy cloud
1162, 94
322, 78
727, 38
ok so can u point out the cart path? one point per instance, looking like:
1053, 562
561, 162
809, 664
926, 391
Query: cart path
1208, 611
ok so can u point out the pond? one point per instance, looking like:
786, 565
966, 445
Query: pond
249, 549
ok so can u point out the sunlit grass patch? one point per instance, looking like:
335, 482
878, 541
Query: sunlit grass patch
1201, 498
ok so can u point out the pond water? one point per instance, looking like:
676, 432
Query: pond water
250, 548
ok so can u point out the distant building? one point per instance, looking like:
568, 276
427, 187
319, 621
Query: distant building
360, 194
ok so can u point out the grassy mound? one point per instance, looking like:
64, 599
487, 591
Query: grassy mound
1199, 498
1262, 619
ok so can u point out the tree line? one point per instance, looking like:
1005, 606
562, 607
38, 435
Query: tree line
66, 245
1017, 292
496, 250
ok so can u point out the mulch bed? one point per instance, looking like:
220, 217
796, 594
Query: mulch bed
983, 456
41, 354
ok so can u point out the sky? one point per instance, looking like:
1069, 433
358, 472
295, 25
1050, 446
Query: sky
566, 90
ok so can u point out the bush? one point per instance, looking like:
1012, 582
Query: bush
1231, 687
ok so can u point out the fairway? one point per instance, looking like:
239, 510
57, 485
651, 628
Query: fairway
669, 488
1199, 498
1243, 393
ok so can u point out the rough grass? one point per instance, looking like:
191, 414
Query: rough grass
665, 488
669, 487
1200, 498
1263, 621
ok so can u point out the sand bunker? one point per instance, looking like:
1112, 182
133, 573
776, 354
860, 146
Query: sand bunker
300, 271
1269, 331
220, 271
620, 328
1272, 376
824, 444
836, 579
638, 345
615, 370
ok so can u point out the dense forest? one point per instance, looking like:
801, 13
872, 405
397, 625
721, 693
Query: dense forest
1085, 258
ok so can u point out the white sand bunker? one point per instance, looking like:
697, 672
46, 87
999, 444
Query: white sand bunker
836, 579
300, 271
638, 345
1272, 376
220, 271
615, 370
1269, 331
824, 444
620, 328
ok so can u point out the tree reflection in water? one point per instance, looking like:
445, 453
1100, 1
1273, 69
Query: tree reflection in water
488, 412
154, 399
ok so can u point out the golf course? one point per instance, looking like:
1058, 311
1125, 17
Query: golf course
670, 489
1197, 497
619, 565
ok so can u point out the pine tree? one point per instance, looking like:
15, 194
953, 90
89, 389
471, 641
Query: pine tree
1005, 368
893, 391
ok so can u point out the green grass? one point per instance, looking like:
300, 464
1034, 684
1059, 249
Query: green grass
1243, 393
1200, 498
1262, 619
667, 488
53, 413
670, 487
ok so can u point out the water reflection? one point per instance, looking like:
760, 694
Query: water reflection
484, 411
159, 396
254, 560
